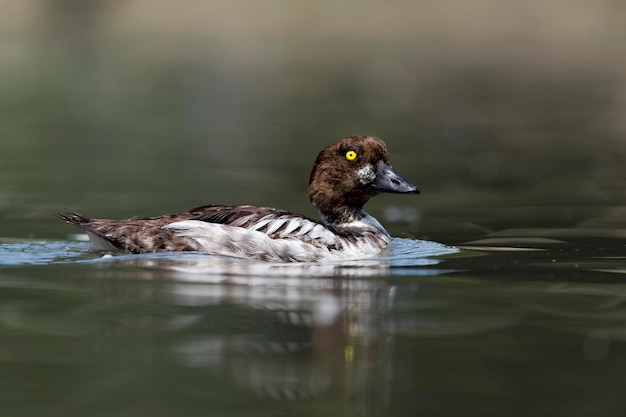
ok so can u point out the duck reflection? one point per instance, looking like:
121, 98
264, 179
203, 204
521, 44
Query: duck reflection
281, 331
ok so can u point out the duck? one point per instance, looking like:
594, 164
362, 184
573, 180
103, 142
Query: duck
345, 175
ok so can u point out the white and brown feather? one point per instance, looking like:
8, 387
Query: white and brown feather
260, 233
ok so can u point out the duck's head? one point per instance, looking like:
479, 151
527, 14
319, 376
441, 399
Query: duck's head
349, 172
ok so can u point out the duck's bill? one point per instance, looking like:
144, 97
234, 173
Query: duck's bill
389, 181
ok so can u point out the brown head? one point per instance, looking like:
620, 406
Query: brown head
348, 173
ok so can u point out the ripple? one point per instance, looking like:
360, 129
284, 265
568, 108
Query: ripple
402, 257
39, 252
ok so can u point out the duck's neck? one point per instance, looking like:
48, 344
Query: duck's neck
351, 218
341, 215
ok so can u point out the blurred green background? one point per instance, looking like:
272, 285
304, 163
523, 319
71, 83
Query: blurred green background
506, 114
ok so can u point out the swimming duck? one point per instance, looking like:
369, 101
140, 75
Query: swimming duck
345, 176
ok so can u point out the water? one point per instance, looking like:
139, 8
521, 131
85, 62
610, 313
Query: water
421, 330
504, 292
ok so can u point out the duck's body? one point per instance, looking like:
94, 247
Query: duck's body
260, 233
345, 175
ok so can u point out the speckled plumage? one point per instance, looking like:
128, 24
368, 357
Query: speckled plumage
338, 188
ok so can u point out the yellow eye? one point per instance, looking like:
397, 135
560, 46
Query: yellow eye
350, 155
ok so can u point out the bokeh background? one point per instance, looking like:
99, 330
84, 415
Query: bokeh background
507, 114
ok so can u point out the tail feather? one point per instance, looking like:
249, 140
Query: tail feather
93, 230
74, 218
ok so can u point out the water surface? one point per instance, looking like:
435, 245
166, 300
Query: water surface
420, 330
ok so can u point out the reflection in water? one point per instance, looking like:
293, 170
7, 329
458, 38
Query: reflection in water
279, 332
317, 332
308, 330
360, 338
283, 340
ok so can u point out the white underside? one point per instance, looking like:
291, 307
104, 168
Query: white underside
100, 243
249, 243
